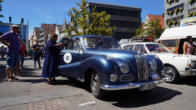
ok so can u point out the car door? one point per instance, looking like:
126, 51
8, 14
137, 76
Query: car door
70, 59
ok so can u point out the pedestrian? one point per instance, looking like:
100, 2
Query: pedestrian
22, 53
19, 66
51, 62
36, 56
11, 40
188, 46
3, 52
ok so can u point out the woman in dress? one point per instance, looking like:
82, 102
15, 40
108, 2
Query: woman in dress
188, 46
51, 62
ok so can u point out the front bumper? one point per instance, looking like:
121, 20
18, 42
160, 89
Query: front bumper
130, 85
188, 72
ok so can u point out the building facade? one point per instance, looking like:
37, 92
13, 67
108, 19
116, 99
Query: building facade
44, 33
177, 10
126, 19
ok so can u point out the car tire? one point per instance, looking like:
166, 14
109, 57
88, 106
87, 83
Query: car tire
95, 85
171, 74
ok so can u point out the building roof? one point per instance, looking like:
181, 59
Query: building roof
48, 29
153, 17
114, 6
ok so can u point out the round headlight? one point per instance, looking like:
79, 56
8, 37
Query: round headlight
124, 67
153, 65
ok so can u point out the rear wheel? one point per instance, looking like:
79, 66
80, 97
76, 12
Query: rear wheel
95, 85
171, 74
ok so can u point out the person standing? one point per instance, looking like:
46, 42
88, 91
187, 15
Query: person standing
188, 46
23, 52
12, 41
36, 55
51, 62
3, 52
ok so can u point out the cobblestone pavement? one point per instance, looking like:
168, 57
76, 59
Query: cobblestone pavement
31, 92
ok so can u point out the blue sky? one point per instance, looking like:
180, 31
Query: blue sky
55, 11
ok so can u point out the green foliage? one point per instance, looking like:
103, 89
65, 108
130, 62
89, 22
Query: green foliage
140, 32
84, 22
153, 28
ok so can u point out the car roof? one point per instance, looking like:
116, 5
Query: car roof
140, 43
87, 36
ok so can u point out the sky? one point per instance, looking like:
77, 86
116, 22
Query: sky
37, 12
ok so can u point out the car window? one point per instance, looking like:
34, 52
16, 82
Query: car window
128, 47
140, 48
101, 43
71, 45
156, 48
170, 43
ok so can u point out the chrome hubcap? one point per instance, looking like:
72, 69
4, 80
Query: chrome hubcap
169, 74
94, 81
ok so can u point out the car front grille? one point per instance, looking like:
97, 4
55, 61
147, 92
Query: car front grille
142, 67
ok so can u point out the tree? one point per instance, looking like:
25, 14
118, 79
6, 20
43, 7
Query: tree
153, 28
88, 22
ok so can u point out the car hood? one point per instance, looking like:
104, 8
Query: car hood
172, 55
114, 53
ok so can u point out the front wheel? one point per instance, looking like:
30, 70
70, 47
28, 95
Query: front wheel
171, 74
95, 85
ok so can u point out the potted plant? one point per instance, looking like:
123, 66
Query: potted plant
181, 9
178, 22
176, 10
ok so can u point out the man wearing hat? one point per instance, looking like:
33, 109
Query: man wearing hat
12, 41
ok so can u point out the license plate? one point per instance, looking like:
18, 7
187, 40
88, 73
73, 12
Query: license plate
147, 87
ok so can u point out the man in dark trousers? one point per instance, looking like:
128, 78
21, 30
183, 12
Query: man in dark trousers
11, 40
52, 58
36, 49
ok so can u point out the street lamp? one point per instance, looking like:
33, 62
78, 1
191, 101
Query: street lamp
21, 27
10, 21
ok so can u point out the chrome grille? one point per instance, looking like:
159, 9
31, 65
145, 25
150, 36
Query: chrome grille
142, 67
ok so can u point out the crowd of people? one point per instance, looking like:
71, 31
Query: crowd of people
15, 52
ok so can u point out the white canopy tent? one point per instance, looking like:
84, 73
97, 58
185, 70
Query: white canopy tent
179, 32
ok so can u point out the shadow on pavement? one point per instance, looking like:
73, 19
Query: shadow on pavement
2, 72
130, 98
134, 98
190, 81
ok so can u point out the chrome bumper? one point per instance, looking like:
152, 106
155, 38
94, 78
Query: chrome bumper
130, 85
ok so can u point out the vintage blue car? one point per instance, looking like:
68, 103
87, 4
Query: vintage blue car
103, 65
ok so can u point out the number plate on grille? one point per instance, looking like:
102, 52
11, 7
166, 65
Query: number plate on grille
147, 87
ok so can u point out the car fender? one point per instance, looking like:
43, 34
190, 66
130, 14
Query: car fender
101, 64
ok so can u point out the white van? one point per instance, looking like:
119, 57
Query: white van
174, 38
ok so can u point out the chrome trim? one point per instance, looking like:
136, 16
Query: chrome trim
142, 67
129, 86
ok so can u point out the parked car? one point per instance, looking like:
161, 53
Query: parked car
175, 65
104, 66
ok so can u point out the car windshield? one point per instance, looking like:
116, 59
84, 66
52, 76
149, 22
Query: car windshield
157, 48
100, 42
